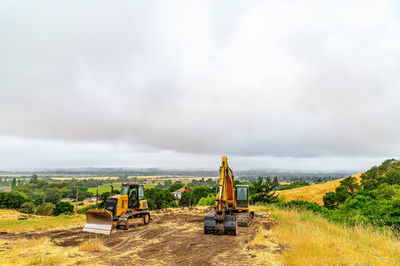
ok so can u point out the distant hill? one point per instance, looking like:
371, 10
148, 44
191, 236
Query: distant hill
313, 193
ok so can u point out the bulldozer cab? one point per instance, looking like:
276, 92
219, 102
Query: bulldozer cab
134, 192
242, 196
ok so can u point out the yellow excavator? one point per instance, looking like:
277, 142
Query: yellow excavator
120, 211
231, 205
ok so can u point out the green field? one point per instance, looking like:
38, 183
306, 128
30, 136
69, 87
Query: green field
106, 187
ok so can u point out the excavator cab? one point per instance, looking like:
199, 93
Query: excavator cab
242, 196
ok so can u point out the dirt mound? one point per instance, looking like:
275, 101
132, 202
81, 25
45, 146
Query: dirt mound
173, 237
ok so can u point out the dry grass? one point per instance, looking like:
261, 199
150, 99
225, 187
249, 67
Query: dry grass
9, 222
313, 193
39, 252
92, 245
13, 215
311, 240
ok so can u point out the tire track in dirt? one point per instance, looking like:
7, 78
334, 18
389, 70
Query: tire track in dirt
173, 238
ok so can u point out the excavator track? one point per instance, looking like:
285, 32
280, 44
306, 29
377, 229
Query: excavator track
229, 224
244, 218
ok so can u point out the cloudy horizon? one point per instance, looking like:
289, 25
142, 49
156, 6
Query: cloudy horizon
307, 85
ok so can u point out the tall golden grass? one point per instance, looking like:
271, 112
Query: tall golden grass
313, 193
41, 251
92, 245
311, 240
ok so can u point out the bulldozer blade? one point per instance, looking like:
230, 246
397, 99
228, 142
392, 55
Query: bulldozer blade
98, 221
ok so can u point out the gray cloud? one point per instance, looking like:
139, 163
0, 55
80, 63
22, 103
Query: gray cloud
276, 79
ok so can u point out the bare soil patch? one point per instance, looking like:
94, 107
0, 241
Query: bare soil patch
172, 238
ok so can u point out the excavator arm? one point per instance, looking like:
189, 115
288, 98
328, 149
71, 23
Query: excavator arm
226, 196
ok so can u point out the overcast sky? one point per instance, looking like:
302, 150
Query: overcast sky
177, 84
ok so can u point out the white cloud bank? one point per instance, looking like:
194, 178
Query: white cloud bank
295, 84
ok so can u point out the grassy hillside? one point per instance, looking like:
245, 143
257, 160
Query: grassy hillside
313, 193
308, 239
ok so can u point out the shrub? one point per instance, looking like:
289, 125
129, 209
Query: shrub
207, 201
27, 207
302, 204
63, 207
172, 204
45, 209
91, 207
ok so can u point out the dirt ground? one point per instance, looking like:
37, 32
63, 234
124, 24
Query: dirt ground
174, 237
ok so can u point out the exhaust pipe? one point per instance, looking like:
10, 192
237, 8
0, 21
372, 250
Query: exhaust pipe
112, 190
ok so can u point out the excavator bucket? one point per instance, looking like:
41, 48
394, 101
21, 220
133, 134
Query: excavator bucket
228, 225
98, 221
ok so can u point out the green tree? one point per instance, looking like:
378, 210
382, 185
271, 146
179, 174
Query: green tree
392, 177
175, 186
13, 183
330, 200
159, 198
199, 192
11, 200
63, 207
347, 188
187, 199
34, 179
53, 195
275, 182
262, 191
350, 185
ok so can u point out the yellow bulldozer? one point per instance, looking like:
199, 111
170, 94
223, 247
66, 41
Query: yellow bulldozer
119, 211
231, 205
